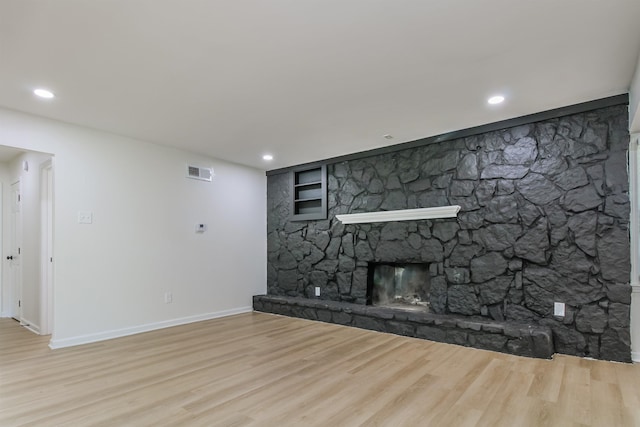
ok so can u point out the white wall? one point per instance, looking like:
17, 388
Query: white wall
111, 276
634, 101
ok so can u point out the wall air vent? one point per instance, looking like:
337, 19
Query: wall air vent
196, 172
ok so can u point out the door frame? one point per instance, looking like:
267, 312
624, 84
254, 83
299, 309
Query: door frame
46, 247
15, 273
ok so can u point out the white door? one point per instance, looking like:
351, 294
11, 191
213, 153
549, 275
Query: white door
15, 240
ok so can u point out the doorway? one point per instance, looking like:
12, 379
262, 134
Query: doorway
15, 243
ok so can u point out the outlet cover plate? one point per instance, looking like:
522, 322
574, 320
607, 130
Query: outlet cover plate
558, 309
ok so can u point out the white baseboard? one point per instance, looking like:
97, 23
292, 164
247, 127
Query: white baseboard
635, 356
117, 333
30, 326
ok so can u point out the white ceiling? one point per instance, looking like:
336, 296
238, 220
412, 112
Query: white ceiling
308, 79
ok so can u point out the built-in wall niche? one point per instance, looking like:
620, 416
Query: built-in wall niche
309, 193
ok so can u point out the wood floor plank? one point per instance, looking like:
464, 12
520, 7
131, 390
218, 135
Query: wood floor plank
258, 369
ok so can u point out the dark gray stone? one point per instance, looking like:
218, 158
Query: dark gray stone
347, 245
520, 314
363, 251
487, 267
572, 178
397, 251
528, 212
346, 264
494, 291
445, 231
462, 254
327, 265
565, 339
502, 209
619, 315
505, 187
492, 342
537, 189
616, 176
288, 280
533, 245
393, 201
567, 260
431, 333
504, 172
457, 275
497, 237
582, 199
485, 191
550, 166
615, 344
558, 288
619, 292
463, 300
420, 185
442, 181
415, 241
334, 246
438, 297
432, 198
432, 251
523, 152
468, 167
470, 220
409, 176
556, 216
613, 252
591, 319
436, 166
461, 188
287, 261
394, 231
583, 227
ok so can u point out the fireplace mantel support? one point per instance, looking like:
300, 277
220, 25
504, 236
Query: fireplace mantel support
400, 215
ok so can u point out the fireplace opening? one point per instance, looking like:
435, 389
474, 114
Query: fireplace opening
404, 286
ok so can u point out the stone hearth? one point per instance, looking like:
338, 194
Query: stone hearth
514, 338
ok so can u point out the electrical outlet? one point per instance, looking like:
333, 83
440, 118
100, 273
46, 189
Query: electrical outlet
317, 291
168, 297
558, 309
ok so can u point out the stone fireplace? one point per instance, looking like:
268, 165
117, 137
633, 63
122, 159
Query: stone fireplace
544, 218
396, 285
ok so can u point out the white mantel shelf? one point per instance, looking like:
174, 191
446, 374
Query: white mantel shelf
400, 215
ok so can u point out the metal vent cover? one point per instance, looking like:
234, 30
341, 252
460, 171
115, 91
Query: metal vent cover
196, 172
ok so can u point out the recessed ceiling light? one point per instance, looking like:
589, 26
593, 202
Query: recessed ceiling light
387, 136
44, 93
495, 99
267, 157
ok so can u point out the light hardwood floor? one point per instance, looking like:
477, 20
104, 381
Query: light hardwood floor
265, 370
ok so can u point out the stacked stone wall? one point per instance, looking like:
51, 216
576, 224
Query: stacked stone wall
544, 218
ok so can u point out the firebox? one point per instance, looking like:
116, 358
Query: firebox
404, 286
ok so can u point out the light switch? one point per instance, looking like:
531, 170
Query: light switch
85, 217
